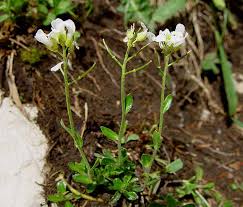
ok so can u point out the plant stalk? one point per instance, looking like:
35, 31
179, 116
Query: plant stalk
162, 98
123, 105
70, 116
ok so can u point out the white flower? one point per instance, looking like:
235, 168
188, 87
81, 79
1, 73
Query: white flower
141, 36
65, 27
130, 33
62, 32
57, 67
42, 37
69, 24
150, 36
172, 40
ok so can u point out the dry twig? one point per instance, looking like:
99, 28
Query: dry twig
14, 94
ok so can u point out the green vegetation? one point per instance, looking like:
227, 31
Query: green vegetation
50, 9
32, 56
142, 10
11, 9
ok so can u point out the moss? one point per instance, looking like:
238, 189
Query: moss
32, 56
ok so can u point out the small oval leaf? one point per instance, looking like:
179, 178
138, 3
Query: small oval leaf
167, 103
128, 102
132, 137
84, 179
110, 134
68, 204
55, 198
61, 186
156, 140
174, 166
146, 160
131, 196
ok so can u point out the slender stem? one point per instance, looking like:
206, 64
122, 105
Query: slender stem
123, 98
135, 54
161, 120
139, 68
67, 94
111, 54
202, 198
70, 116
82, 195
84, 74
162, 98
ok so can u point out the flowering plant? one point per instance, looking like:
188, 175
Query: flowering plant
115, 173
62, 40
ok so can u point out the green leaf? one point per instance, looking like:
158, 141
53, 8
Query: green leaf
61, 186
68, 204
208, 186
42, 9
110, 134
56, 198
171, 201
157, 141
82, 178
77, 167
219, 4
167, 103
116, 197
131, 196
174, 166
63, 7
146, 160
228, 204
4, 17
209, 62
137, 10
128, 103
117, 184
132, 137
168, 10
50, 17
231, 95
199, 173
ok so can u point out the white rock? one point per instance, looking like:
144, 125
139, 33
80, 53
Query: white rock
22, 152
238, 79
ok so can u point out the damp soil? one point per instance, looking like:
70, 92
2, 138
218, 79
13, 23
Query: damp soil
193, 130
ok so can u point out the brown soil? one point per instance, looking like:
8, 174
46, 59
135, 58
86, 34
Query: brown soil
211, 143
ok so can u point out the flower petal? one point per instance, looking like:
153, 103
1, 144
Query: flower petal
151, 36
69, 24
145, 29
57, 67
58, 25
40, 36
162, 35
180, 28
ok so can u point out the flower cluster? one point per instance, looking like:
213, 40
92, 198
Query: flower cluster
168, 41
171, 41
62, 34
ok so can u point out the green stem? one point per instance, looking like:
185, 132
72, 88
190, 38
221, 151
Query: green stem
123, 98
82, 195
162, 98
161, 120
67, 94
70, 116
